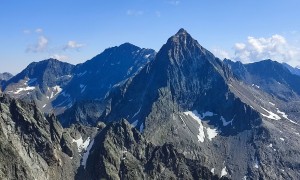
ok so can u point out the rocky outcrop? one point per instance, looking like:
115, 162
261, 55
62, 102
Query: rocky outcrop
34, 146
121, 152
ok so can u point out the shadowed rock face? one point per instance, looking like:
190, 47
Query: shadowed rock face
121, 152
93, 79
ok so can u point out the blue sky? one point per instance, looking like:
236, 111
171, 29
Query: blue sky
75, 31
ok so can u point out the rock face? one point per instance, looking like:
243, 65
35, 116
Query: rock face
86, 112
189, 98
121, 152
33, 146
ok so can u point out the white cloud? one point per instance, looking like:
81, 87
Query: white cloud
220, 53
39, 30
40, 46
73, 45
60, 57
134, 12
275, 47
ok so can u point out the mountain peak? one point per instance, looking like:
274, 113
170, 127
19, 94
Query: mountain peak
182, 37
181, 31
129, 45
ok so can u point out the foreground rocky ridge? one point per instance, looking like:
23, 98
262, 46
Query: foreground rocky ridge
34, 146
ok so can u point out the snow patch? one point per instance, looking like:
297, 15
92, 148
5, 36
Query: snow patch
224, 172
226, 123
81, 74
207, 114
272, 103
256, 163
86, 154
52, 95
270, 145
256, 86
146, 56
196, 117
271, 115
284, 115
142, 127
137, 112
282, 139
44, 105
211, 133
28, 88
134, 123
82, 145
57, 90
212, 170
293, 121
82, 88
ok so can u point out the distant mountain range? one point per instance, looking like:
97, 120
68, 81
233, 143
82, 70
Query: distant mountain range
55, 86
199, 117
4, 77
293, 70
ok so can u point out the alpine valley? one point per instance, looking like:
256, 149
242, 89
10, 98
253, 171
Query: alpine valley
133, 113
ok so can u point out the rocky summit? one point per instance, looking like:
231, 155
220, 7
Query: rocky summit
132, 113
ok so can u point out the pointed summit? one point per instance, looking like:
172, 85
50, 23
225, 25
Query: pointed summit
182, 47
182, 37
181, 31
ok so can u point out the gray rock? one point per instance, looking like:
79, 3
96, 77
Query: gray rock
121, 152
